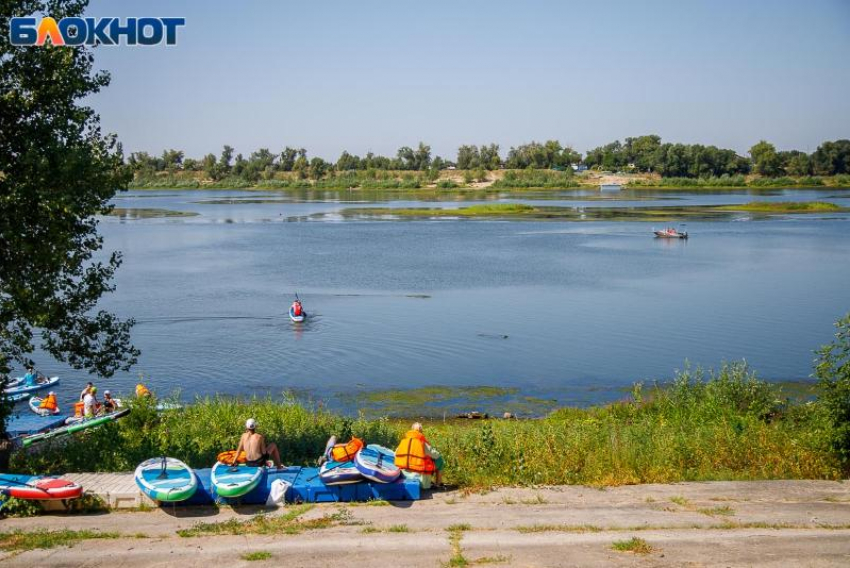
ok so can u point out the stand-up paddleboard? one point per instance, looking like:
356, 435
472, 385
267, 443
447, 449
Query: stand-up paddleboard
22, 391
377, 463
40, 488
339, 473
166, 479
235, 481
84, 424
35, 406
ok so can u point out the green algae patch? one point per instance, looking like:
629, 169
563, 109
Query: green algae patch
133, 214
786, 207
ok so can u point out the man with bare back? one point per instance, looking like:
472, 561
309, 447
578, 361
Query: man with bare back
257, 452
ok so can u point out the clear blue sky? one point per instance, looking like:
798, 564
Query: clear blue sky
376, 75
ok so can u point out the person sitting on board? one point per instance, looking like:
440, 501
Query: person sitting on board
48, 403
31, 379
87, 390
296, 308
90, 404
257, 452
109, 403
142, 391
417, 459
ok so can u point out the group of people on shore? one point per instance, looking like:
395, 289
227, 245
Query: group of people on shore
414, 456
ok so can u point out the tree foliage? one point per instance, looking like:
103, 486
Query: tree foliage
57, 172
832, 370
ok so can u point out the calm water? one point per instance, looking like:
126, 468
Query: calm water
569, 311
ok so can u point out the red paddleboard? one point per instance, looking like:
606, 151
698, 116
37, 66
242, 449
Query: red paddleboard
39, 488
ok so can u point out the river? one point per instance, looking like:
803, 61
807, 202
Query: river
569, 312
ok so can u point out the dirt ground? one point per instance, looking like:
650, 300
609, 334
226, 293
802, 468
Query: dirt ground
772, 523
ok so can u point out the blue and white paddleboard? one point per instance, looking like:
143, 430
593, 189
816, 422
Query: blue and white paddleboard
235, 481
166, 479
377, 463
339, 473
22, 391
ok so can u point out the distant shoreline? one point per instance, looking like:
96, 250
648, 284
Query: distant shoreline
490, 181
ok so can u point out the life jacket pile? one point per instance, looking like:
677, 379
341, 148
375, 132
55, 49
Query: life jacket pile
48, 403
142, 390
346, 452
411, 454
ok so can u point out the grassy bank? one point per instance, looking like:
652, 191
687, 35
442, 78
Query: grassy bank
728, 425
480, 180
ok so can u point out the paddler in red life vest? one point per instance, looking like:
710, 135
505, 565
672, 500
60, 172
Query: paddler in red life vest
296, 308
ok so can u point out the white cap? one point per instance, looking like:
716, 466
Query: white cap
106, 392
250, 424
51, 393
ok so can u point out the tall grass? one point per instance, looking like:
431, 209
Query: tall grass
701, 426
536, 178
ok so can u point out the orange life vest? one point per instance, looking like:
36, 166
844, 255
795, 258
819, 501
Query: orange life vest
48, 402
346, 452
227, 457
79, 408
142, 390
411, 454
296, 308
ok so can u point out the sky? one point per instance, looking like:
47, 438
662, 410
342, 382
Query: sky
376, 75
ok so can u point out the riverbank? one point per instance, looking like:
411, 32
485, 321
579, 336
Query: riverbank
728, 425
479, 180
719, 523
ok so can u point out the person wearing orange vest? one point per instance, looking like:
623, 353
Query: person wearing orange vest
142, 390
418, 459
296, 307
48, 403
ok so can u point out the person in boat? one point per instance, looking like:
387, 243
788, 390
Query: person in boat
90, 404
87, 390
418, 459
297, 310
142, 391
109, 403
257, 451
48, 403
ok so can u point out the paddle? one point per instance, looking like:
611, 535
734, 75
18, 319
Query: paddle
329, 469
163, 474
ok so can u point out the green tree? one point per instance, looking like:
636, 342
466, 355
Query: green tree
765, 159
57, 172
347, 162
489, 156
226, 158
211, 167
832, 158
318, 168
468, 157
832, 370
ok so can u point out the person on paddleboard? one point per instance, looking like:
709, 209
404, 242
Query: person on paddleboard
31, 378
257, 452
297, 310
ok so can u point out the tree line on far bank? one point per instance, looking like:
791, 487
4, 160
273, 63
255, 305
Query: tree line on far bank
635, 154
